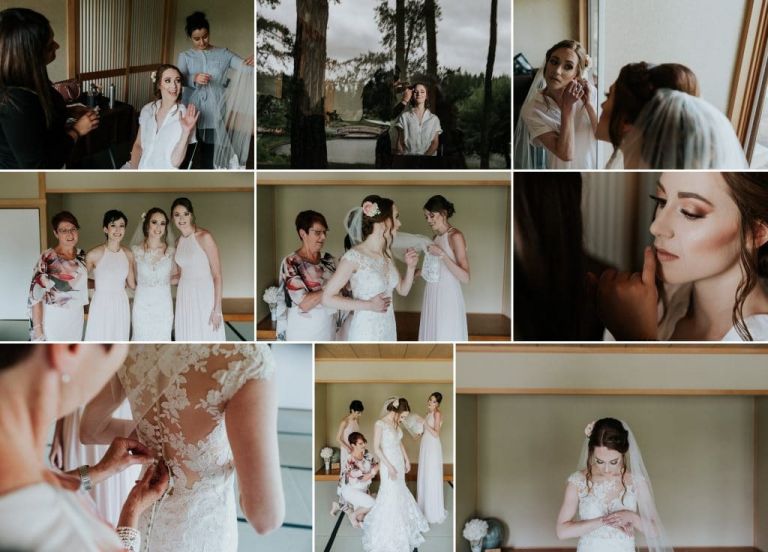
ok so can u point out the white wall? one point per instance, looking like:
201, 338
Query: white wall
293, 370
761, 504
482, 214
698, 452
704, 35
538, 24
20, 247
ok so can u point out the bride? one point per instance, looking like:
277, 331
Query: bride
153, 257
181, 396
611, 493
395, 523
370, 270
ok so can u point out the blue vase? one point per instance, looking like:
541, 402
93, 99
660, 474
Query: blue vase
495, 535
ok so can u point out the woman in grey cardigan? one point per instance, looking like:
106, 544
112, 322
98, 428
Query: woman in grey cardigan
204, 70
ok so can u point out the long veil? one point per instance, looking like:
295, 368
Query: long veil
650, 522
676, 130
234, 129
526, 155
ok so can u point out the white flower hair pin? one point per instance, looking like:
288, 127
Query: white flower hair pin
153, 76
371, 209
589, 428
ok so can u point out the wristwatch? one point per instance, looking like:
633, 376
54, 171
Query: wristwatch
85, 478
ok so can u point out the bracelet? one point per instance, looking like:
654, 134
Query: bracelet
130, 538
85, 478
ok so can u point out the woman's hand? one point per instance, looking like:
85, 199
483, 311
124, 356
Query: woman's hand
392, 473
86, 123
407, 466
122, 453
215, 319
248, 61
571, 95
586, 91
411, 258
203, 78
623, 519
379, 303
436, 250
189, 119
146, 492
627, 302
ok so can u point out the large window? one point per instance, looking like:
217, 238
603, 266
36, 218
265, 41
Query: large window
119, 42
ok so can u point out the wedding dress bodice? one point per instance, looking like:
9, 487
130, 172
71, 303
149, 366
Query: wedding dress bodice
390, 446
178, 396
600, 499
152, 303
153, 269
372, 277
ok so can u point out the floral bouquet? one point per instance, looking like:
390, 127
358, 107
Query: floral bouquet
326, 453
271, 298
474, 531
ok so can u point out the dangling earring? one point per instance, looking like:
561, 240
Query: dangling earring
65, 378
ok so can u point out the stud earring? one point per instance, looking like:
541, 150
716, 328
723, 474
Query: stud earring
65, 378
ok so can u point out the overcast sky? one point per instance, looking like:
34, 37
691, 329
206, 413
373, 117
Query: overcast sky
462, 32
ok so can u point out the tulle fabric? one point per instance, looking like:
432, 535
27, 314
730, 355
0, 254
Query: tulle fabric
676, 130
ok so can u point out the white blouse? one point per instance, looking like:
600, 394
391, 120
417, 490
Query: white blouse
157, 143
418, 135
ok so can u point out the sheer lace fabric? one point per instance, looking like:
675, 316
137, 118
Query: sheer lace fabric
152, 303
395, 523
372, 277
178, 395
600, 499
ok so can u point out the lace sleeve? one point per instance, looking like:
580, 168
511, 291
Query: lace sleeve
578, 479
130, 538
353, 257
245, 362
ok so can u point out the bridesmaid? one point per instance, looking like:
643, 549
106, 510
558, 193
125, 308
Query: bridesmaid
59, 287
198, 297
429, 486
152, 315
109, 317
443, 315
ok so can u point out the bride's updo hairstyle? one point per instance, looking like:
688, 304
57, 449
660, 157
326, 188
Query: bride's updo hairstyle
402, 406
385, 213
637, 84
438, 396
438, 204
608, 433
148, 217
750, 193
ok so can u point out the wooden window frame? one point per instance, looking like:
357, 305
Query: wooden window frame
73, 49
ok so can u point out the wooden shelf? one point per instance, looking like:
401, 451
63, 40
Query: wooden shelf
333, 475
481, 326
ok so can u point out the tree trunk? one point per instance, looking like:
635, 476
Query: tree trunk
429, 16
400, 60
308, 148
485, 144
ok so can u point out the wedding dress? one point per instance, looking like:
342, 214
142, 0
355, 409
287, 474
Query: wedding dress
372, 277
178, 395
603, 498
395, 523
152, 304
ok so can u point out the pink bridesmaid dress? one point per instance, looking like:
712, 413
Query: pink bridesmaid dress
109, 316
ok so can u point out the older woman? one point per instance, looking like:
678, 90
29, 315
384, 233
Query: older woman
59, 288
45, 510
303, 275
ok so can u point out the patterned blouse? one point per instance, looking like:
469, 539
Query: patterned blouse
59, 281
355, 470
299, 276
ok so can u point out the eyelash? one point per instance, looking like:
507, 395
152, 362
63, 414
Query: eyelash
662, 202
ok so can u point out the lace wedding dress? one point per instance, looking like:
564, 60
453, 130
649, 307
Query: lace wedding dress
601, 499
395, 523
152, 304
372, 277
183, 391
